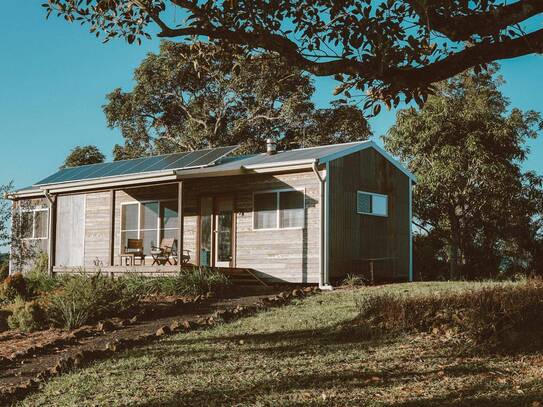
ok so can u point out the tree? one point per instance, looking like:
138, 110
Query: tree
83, 155
385, 48
471, 193
189, 97
5, 214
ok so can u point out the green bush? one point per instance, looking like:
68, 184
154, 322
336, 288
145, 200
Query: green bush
4, 268
352, 280
26, 316
499, 314
85, 299
192, 282
12, 287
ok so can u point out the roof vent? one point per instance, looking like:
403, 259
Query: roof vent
271, 147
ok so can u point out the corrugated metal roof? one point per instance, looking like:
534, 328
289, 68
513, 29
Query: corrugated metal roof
193, 167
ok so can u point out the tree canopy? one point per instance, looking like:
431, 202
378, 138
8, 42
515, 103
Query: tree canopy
83, 155
195, 96
467, 149
384, 47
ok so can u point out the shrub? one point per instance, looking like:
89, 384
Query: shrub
26, 316
84, 299
192, 282
352, 280
12, 287
4, 268
39, 282
499, 314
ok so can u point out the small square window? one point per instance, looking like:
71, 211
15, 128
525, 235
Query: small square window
368, 203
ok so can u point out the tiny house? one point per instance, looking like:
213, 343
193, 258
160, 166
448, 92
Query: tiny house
310, 215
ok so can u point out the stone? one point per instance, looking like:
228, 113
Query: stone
175, 325
186, 324
163, 330
307, 290
104, 326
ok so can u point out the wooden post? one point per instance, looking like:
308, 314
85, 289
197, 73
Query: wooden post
112, 228
52, 232
180, 220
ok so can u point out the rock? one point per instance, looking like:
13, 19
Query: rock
163, 330
308, 290
104, 326
186, 324
175, 325
297, 292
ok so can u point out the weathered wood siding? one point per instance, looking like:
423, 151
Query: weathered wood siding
70, 230
97, 228
276, 255
355, 237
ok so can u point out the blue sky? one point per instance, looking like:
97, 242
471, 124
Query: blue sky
54, 77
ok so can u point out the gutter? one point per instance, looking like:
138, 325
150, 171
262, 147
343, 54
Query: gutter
324, 277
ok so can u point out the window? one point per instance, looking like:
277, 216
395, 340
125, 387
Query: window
34, 223
278, 209
150, 221
368, 203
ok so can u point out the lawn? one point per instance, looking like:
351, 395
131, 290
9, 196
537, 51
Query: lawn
306, 353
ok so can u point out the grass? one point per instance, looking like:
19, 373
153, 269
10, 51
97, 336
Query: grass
307, 353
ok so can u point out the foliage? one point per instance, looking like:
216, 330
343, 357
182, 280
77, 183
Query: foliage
352, 280
12, 287
23, 251
499, 314
83, 299
4, 267
195, 281
83, 155
467, 150
26, 316
380, 48
196, 96
5, 214
38, 279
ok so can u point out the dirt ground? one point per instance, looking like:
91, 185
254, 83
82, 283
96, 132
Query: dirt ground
24, 356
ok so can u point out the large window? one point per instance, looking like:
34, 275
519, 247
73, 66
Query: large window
368, 203
278, 209
34, 223
150, 221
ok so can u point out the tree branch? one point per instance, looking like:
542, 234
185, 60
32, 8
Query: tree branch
461, 28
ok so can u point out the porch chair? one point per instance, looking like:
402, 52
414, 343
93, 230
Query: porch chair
132, 251
165, 253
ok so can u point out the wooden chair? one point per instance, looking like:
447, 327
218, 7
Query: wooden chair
165, 253
132, 251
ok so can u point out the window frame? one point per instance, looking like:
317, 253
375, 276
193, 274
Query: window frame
372, 194
139, 231
277, 193
33, 211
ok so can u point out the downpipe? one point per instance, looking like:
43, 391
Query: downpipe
324, 280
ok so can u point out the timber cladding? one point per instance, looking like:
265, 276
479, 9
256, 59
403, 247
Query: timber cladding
355, 237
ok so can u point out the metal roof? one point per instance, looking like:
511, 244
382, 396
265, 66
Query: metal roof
168, 162
202, 163
320, 155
